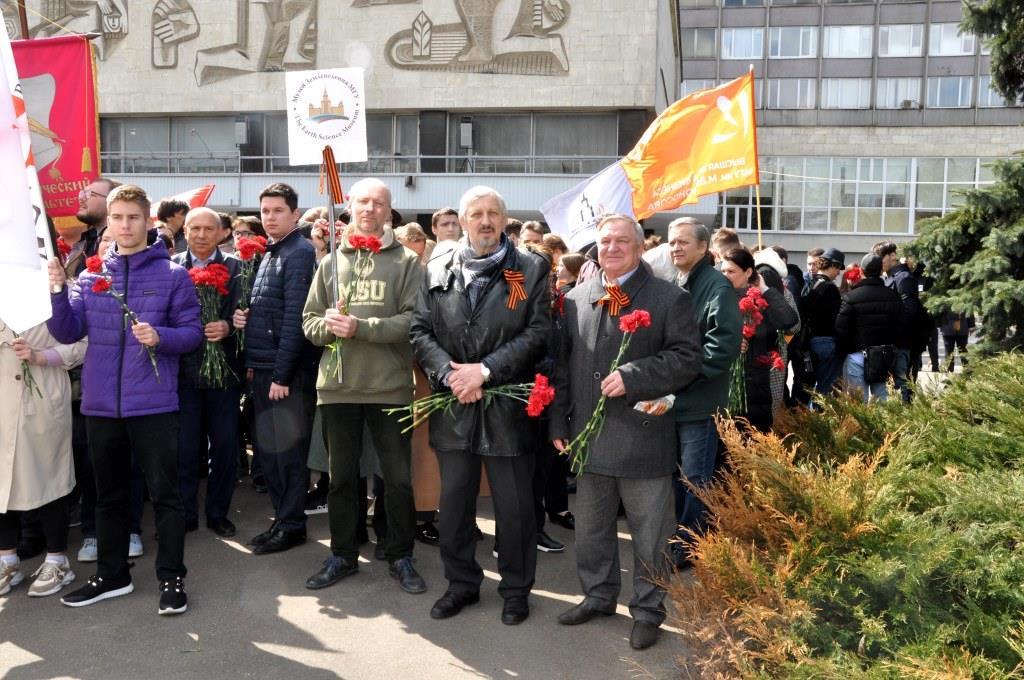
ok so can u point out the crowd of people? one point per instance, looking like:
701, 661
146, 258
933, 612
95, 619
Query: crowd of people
116, 400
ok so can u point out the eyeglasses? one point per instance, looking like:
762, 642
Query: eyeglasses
242, 234
86, 194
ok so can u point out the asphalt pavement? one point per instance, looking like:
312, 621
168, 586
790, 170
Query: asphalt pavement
251, 617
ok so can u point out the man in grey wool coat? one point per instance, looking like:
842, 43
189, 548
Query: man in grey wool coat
634, 457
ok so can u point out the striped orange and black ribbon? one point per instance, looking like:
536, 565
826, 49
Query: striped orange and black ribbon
329, 171
516, 290
615, 299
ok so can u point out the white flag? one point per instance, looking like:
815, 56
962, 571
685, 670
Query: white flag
574, 214
24, 237
326, 108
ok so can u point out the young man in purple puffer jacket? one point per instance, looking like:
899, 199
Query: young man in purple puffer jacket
130, 405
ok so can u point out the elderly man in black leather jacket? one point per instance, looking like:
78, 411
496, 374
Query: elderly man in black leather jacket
471, 330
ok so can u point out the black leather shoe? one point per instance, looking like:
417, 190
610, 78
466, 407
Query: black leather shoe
547, 544
335, 568
223, 527
427, 533
281, 540
581, 613
259, 484
451, 603
409, 579
260, 539
476, 532
564, 519
515, 611
644, 635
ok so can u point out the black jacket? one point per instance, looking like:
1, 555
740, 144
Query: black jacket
916, 325
869, 315
794, 280
273, 336
777, 317
191, 363
508, 342
819, 306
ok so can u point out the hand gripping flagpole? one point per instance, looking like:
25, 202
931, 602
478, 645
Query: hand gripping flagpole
329, 171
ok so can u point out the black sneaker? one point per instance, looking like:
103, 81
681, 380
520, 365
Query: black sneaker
96, 589
547, 544
259, 484
316, 501
173, 599
409, 579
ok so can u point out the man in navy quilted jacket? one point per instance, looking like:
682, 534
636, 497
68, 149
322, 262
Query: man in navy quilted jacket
130, 390
281, 365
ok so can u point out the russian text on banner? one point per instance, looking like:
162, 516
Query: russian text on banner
704, 143
58, 79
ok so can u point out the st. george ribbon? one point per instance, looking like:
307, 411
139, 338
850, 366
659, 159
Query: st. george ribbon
329, 171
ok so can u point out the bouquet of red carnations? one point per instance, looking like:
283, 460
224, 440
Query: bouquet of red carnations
578, 449
536, 395
250, 250
751, 305
211, 284
104, 284
366, 247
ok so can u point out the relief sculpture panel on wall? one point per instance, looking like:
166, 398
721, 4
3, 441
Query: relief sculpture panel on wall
514, 37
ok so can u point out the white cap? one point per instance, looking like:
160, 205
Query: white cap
772, 259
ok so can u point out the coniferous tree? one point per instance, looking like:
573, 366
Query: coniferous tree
1000, 24
975, 256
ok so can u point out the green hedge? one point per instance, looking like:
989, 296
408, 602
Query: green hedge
869, 541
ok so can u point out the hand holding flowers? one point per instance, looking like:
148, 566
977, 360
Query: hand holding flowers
211, 286
250, 251
147, 336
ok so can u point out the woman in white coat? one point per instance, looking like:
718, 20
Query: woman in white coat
36, 465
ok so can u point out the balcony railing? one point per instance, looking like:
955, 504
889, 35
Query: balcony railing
193, 163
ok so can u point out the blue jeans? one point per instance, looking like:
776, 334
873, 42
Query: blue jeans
853, 372
698, 448
901, 375
826, 364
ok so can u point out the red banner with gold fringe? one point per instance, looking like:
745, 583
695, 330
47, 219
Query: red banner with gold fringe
58, 76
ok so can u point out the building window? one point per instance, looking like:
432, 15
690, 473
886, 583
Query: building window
698, 43
988, 96
795, 2
898, 93
950, 92
900, 40
848, 42
845, 93
788, 42
698, 3
742, 43
945, 40
742, 3
691, 86
791, 93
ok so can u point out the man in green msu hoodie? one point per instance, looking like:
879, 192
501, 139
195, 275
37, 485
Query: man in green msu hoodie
718, 315
380, 282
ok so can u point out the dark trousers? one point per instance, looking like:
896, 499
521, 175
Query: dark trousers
208, 435
698, 451
549, 491
53, 518
343, 431
153, 440
511, 479
952, 342
282, 430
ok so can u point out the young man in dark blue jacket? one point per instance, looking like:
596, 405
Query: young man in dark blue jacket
281, 366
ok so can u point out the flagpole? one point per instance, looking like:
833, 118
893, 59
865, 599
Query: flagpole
24, 20
757, 187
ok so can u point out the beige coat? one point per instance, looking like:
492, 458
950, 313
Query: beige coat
36, 465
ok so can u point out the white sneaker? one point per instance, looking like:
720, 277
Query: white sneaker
10, 576
135, 545
89, 551
50, 577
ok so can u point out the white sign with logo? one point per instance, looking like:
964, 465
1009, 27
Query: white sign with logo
326, 108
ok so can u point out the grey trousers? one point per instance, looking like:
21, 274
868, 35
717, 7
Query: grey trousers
649, 504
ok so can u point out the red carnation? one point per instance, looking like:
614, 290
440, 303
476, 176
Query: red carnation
749, 330
853, 276
63, 248
633, 321
372, 243
357, 242
251, 246
762, 361
541, 395
101, 285
94, 264
777, 363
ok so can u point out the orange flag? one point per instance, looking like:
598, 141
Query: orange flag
704, 143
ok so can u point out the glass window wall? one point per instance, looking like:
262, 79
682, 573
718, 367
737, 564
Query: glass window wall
848, 42
791, 93
698, 43
950, 92
791, 42
845, 93
898, 93
900, 40
742, 43
945, 40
